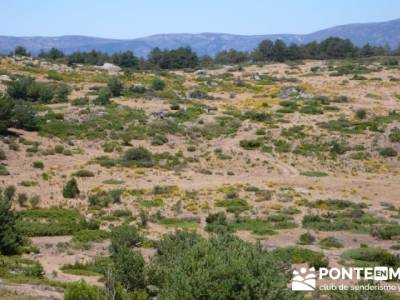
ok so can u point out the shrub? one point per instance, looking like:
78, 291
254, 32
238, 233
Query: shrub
84, 173
375, 256
103, 98
81, 291
361, 113
22, 199
3, 170
386, 232
128, 268
90, 235
2, 155
197, 94
59, 149
38, 165
330, 242
50, 222
191, 267
159, 139
138, 88
250, 144
314, 174
115, 86
34, 201
103, 198
71, 189
61, 93
18, 89
139, 156
394, 135
388, 152
306, 239
216, 223
99, 266
157, 84
24, 116
40, 91
125, 236
234, 205
297, 255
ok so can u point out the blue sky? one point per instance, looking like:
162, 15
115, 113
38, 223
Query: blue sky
130, 19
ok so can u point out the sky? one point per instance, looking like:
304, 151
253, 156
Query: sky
138, 18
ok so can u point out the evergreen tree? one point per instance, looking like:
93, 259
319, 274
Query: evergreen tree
21, 51
264, 51
10, 238
71, 189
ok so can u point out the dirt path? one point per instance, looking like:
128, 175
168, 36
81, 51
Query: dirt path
38, 291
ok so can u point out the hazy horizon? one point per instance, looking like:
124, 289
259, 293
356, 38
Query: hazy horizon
134, 19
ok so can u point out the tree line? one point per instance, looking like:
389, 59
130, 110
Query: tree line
185, 57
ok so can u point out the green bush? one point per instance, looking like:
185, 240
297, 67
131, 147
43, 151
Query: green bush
128, 269
16, 267
386, 232
125, 236
139, 156
314, 174
217, 223
297, 255
306, 239
3, 170
233, 205
372, 257
71, 189
24, 117
103, 98
61, 93
115, 86
2, 155
84, 173
157, 84
159, 139
90, 235
50, 222
330, 242
38, 165
388, 152
394, 135
18, 89
99, 266
250, 144
22, 199
361, 114
189, 267
104, 198
81, 291
80, 101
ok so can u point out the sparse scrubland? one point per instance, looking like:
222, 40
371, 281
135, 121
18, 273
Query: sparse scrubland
163, 181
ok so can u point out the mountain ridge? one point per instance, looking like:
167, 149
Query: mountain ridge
374, 33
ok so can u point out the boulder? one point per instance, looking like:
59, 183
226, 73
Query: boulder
5, 78
111, 68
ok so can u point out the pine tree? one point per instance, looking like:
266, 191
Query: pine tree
10, 238
71, 189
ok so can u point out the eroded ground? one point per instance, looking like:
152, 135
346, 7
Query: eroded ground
282, 150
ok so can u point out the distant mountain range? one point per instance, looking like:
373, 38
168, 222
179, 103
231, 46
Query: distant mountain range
379, 34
